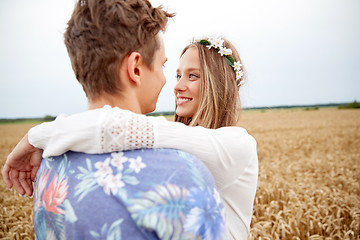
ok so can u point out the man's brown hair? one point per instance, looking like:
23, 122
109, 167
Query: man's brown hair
101, 33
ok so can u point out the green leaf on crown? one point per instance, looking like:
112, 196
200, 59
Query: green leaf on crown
205, 42
229, 60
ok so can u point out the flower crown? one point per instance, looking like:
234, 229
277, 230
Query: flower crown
218, 44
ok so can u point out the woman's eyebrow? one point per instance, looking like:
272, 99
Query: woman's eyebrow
189, 69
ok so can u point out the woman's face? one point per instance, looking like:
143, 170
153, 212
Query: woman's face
187, 89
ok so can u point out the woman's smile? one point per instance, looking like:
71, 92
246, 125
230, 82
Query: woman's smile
182, 100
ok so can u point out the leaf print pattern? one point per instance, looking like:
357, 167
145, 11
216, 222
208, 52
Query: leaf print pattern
162, 209
205, 217
113, 233
88, 181
196, 176
173, 211
50, 203
55, 195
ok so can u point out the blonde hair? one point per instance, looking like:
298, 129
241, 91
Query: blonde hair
219, 93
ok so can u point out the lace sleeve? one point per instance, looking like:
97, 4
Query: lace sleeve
95, 131
124, 130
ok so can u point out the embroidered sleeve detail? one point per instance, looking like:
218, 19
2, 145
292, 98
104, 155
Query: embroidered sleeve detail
139, 132
124, 130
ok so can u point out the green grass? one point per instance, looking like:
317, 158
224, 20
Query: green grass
20, 121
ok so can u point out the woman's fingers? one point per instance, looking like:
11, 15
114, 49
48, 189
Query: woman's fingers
30, 183
23, 177
33, 173
6, 176
14, 175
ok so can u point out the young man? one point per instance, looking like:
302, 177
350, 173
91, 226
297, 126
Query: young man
117, 55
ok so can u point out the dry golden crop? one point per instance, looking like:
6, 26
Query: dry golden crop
309, 176
15, 211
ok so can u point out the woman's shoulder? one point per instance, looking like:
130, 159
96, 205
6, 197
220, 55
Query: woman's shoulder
238, 136
235, 130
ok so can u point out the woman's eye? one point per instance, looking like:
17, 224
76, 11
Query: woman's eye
192, 76
178, 76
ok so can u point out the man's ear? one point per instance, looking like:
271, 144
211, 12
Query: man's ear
134, 64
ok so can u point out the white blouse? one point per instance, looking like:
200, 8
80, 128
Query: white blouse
228, 152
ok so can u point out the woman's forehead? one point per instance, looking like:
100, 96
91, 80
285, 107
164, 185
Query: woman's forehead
190, 59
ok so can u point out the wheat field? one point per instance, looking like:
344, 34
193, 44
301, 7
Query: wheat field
309, 176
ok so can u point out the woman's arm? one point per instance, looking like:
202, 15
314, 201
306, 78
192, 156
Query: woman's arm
81, 132
225, 151
21, 166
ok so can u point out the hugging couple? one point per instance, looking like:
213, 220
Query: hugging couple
112, 172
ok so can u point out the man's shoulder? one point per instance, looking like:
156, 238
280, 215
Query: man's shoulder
161, 160
160, 154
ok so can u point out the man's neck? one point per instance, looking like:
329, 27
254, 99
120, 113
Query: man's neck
123, 101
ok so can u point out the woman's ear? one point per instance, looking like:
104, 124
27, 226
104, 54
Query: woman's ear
134, 63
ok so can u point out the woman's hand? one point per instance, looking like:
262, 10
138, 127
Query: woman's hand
21, 166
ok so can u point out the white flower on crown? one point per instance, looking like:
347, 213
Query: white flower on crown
212, 40
237, 66
239, 74
218, 43
225, 51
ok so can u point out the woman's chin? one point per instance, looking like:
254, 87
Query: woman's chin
182, 113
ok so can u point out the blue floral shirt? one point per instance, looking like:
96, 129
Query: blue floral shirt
141, 194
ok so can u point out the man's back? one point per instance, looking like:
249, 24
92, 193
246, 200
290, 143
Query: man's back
143, 194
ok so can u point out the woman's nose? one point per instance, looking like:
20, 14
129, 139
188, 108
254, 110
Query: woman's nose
180, 86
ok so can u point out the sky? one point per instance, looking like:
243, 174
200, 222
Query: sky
295, 52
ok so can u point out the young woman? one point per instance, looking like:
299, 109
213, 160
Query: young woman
207, 99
